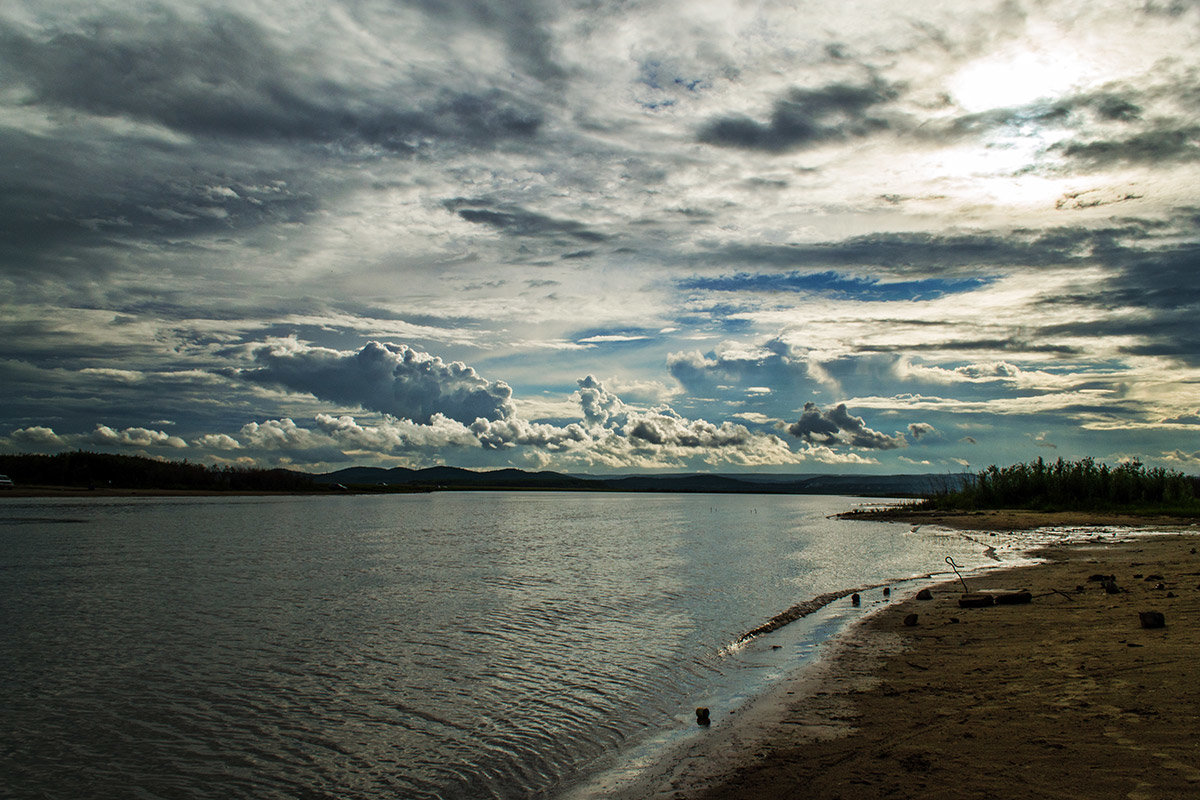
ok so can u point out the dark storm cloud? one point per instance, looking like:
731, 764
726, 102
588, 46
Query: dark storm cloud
1157, 145
1155, 288
914, 252
839, 426
390, 378
200, 124
224, 77
901, 252
516, 221
805, 117
968, 345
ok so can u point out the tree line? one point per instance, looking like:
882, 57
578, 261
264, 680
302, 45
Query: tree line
104, 470
1073, 485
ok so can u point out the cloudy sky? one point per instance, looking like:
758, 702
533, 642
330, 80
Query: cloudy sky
848, 236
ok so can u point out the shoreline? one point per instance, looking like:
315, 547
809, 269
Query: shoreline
1064, 697
1019, 519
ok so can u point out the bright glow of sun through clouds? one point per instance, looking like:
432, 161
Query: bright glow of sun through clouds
1022, 74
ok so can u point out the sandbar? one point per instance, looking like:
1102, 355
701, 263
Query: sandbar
1067, 696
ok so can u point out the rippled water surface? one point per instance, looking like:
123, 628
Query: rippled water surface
449, 645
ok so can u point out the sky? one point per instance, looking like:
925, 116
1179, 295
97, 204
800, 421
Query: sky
604, 237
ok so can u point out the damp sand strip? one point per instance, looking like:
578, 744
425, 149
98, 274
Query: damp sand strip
1065, 696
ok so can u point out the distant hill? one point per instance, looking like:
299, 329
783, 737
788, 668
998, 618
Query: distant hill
458, 478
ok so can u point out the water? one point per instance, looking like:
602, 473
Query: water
448, 645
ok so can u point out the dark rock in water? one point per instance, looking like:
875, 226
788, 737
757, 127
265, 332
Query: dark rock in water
924, 594
1101, 578
1080, 588
954, 620
855, 600
887, 591
975, 600
1193, 551
1137, 576
1160, 586
702, 716
1153, 578
1110, 586
1014, 598
910, 620
1152, 619
1171, 594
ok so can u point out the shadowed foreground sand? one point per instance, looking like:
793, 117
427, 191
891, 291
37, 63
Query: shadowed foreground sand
1066, 697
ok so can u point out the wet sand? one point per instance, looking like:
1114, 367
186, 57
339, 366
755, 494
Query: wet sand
1065, 697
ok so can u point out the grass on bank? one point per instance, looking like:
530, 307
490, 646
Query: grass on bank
1081, 485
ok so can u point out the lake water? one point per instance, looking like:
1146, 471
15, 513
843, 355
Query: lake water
446, 645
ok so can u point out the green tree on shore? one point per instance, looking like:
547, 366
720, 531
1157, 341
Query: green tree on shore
1072, 485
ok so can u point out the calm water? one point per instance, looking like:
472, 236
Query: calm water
451, 645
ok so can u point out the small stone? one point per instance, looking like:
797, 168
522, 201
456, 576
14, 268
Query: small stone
954, 620
1110, 586
910, 621
1101, 578
924, 594
1152, 619
855, 600
702, 716
1160, 586
1193, 551
1150, 578
887, 591
1137, 576
1171, 594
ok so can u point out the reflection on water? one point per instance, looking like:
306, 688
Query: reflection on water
450, 645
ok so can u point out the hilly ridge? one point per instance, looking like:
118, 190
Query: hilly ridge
459, 478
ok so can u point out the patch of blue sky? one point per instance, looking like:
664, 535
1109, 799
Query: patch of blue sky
656, 75
835, 284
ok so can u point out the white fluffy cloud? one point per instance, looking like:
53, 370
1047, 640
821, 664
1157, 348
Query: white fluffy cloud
136, 437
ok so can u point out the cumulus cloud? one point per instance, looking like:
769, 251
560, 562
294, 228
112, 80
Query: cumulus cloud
839, 426
394, 379
36, 436
599, 405
1183, 459
921, 430
216, 441
135, 437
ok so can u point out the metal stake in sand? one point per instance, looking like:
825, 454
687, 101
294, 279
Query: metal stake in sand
953, 566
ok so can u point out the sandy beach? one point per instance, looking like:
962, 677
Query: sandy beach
1067, 696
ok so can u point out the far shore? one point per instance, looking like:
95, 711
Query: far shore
1067, 696
80, 491
1020, 519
